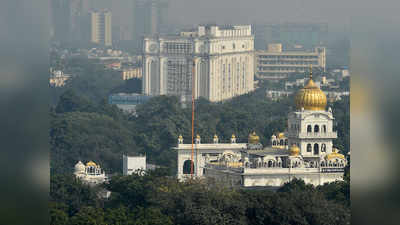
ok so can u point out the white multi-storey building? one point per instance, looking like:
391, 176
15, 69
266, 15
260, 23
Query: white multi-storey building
277, 64
222, 57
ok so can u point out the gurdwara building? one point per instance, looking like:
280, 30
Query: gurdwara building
305, 151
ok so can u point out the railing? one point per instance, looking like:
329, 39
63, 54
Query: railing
313, 135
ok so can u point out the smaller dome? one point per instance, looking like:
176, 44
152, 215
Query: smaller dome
180, 137
198, 136
215, 136
254, 138
79, 167
294, 150
335, 154
233, 136
281, 135
91, 163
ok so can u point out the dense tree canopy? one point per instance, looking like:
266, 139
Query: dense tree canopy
157, 199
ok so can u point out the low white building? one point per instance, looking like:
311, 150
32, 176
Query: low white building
133, 164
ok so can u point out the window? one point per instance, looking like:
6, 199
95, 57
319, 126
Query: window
274, 143
316, 129
309, 147
316, 149
281, 142
324, 128
309, 129
323, 148
187, 167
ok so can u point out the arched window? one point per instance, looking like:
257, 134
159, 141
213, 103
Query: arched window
316, 149
324, 128
270, 163
309, 129
309, 147
316, 129
187, 166
286, 142
323, 148
281, 142
274, 143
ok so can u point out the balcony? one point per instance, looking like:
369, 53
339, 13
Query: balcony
313, 135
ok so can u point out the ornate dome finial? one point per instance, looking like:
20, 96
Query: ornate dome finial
310, 71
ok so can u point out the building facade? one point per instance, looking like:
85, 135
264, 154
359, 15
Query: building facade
278, 64
222, 59
133, 164
131, 72
101, 27
305, 151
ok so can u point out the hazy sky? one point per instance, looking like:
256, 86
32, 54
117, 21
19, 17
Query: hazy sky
337, 13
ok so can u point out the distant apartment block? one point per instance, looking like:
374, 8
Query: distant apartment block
222, 58
101, 27
274, 63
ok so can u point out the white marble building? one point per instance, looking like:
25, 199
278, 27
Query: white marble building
311, 155
91, 173
222, 57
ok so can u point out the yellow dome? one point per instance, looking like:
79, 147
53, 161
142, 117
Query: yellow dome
294, 150
254, 138
310, 97
198, 136
180, 137
91, 163
233, 136
335, 154
281, 135
215, 136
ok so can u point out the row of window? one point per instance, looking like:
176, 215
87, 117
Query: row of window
288, 57
280, 62
316, 148
316, 129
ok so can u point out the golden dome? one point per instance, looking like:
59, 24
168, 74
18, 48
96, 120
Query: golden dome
254, 138
281, 135
91, 163
180, 137
294, 150
233, 136
215, 136
335, 154
310, 97
198, 136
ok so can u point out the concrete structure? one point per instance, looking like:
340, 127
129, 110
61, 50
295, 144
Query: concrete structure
133, 164
101, 27
222, 57
127, 102
277, 64
91, 173
311, 155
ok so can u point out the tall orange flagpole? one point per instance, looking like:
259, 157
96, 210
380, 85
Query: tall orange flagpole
193, 82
